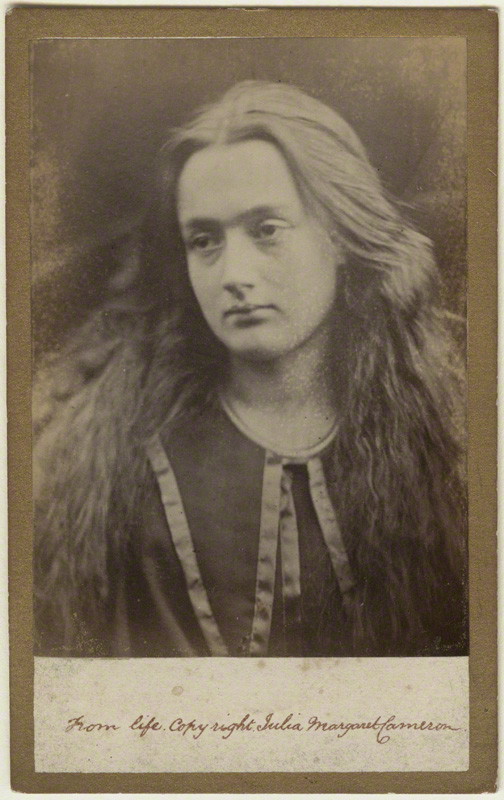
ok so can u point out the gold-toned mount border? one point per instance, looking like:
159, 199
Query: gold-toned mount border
479, 27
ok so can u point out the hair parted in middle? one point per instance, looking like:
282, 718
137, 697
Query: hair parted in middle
396, 478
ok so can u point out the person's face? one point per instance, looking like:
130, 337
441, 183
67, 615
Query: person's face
262, 268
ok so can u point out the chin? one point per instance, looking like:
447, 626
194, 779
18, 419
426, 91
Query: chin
258, 346
258, 352
259, 356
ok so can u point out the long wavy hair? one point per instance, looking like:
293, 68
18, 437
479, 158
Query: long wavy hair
147, 358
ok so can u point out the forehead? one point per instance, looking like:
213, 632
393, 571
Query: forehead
224, 180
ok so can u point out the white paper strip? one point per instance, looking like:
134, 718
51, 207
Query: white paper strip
251, 715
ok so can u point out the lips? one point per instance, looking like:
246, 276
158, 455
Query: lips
243, 309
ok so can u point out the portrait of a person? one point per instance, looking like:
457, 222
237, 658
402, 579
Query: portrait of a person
255, 445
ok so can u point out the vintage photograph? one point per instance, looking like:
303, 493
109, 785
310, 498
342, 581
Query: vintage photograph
249, 330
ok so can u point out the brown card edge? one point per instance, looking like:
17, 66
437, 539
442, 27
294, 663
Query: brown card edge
479, 27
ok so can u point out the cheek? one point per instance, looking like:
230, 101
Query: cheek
204, 290
196, 279
320, 296
316, 275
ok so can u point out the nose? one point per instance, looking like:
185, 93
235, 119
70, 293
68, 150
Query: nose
239, 263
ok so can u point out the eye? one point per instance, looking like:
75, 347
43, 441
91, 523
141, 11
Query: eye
269, 230
204, 242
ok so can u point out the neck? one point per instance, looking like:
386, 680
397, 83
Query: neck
290, 400
284, 384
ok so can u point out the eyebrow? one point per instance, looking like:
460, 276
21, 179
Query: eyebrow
250, 215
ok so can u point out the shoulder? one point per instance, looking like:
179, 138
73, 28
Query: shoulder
206, 440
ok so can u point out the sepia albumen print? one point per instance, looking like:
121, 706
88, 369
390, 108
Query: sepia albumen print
249, 332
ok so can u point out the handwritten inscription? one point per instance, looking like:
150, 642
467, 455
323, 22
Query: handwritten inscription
78, 723
382, 728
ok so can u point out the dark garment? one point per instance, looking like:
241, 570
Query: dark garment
220, 475
236, 550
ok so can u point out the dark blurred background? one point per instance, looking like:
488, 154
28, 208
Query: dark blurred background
101, 109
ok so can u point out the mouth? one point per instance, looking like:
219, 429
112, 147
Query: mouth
246, 309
